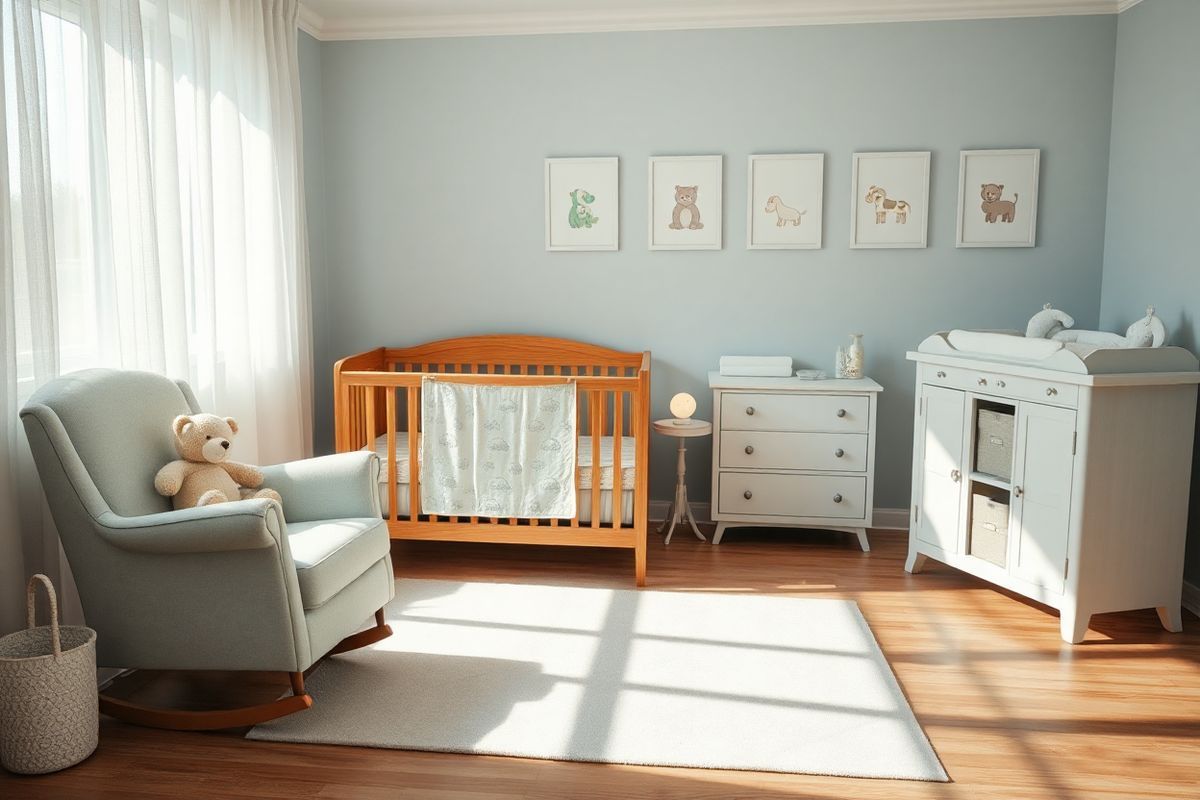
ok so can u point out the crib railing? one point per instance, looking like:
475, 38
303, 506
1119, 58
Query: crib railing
379, 393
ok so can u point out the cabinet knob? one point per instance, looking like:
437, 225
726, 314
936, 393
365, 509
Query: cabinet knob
1001, 384
839, 452
749, 449
750, 411
983, 381
941, 373
1051, 392
1018, 491
747, 494
837, 498
955, 475
841, 412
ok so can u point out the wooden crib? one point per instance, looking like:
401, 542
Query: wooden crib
377, 403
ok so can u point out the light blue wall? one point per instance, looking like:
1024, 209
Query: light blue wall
433, 191
1150, 250
313, 132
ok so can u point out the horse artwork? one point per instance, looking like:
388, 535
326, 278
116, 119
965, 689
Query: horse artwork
580, 215
784, 214
877, 196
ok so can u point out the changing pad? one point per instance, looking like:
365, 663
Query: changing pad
1082, 359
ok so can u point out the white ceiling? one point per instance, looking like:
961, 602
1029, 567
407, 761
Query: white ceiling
398, 19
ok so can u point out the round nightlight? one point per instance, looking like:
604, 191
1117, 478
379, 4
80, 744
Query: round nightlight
683, 405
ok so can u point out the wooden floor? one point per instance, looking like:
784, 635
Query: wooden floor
1012, 711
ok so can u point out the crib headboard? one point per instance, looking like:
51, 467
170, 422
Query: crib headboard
503, 353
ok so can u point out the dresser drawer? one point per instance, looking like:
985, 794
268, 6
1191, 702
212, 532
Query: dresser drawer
1000, 385
747, 411
775, 495
834, 452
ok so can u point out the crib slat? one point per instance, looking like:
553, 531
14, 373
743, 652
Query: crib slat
393, 469
597, 430
414, 445
618, 485
578, 432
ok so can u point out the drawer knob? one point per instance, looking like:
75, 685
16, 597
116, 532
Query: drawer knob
941, 373
837, 498
983, 381
749, 449
750, 411
747, 494
1001, 384
839, 452
841, 412
955, 475
1051, 392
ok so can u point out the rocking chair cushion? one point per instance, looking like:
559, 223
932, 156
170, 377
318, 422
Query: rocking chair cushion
330, 554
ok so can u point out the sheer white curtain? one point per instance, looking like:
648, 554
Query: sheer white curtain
152, 218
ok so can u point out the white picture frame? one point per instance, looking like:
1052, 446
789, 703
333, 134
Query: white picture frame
1002, 212
670, 178
889, 200
784, 197
588, 184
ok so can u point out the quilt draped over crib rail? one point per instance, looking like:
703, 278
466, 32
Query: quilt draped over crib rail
498, 451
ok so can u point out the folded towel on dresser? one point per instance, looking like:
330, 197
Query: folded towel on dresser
756, 366
498, 451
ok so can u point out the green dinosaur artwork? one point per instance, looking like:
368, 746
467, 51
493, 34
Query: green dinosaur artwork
581, 215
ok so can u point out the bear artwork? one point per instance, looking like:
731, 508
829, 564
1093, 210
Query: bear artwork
203, 475
685, 200
993, 207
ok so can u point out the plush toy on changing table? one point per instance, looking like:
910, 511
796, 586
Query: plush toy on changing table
203, 475
1050, 323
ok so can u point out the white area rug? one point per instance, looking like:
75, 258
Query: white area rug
752, 682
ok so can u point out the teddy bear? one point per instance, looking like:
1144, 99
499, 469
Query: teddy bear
204, 475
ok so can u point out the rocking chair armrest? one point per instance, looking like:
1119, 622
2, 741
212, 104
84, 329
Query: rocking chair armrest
218, 528
328, 487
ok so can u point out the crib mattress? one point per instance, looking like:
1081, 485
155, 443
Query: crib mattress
583, 456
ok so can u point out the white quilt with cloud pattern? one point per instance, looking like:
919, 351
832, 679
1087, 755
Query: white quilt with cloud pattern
498, 451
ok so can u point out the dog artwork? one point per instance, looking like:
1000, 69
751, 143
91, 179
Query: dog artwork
993, 208
877, 197
784, 215
685, 201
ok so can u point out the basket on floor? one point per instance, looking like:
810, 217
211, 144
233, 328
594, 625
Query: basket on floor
49, 719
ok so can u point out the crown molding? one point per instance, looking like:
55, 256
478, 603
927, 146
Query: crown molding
746, 14
310, 21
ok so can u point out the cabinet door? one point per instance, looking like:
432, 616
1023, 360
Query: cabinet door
938, 516
1045, 461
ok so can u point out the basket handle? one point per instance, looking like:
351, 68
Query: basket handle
31, 609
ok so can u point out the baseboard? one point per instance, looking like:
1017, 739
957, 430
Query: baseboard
894, 519
1191, 597
106, 675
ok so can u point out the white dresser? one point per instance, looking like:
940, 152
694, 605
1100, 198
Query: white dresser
1080, 499
793, 453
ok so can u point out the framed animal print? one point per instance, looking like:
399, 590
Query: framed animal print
685, 203
997, 198
889, 200
783, 208
581, 204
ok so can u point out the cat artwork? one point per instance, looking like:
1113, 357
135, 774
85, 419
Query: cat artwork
685, 200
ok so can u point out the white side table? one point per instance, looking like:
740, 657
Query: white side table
681, 429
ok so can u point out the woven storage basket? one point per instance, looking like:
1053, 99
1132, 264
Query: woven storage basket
994, 443
49, 719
